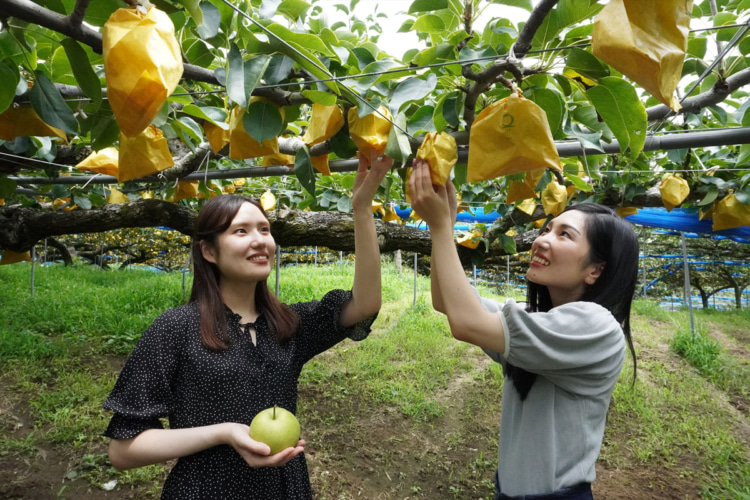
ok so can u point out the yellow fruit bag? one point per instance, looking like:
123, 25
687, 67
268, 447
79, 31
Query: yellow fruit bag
22, 121
104, 162
510, 136
325, 122
518, 191
646, 41
554, 198
143, 65
321, 164
439, 150
268, 201
277, 159
241, 144
217, 136
14, 257
371, 132
116, 196
470, 240
673, 190
144, 154
730, 213
185, 189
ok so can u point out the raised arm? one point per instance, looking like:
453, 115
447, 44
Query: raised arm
437, 300
366, 289
159, 445
468, 319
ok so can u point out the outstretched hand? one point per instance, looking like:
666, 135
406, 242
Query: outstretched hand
257, 454
436, 205
367, 181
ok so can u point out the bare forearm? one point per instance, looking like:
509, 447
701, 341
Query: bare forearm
159, 445
437, 299
468, 319
366, 289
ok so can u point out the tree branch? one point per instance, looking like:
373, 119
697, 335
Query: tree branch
536, 18
717, 94
76, 17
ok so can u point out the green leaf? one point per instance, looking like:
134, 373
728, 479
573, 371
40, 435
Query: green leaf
617, 102
427, 5
50, 105
7, 187
398, 146
243, 77
697, 47
194, 9
523, 4
429, 23
586, 64
262, 121
342, 144
508, 244
190, 127
198, 52
578, 182
310, 42
83, 202
711, 195
278, 69
82, 70
421, 120
268, 8
552, 103
215, 115
294, 9
8, 82
413, 89
304, 170
320, 97
105, 133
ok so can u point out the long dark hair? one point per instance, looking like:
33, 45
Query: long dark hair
614, 243
213, 219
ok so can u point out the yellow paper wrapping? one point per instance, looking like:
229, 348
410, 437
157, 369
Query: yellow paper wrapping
510, 136
646, 41
143, 65
730, 213
277, 159
673, 191
14, 257
439, 150
144, 154
625, 211
371, 132
554, 198
116, 196
104, 162
377, 208
390, 215
527, 206
321, 164
518, 191
217, 136
185, 189
241, 144
268, 201
470, 240
22, 121
325, 122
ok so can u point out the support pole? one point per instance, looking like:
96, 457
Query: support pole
278, 263
33, 268
688, 294
414, 303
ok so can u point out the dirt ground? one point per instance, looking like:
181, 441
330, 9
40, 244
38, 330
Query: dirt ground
357, 451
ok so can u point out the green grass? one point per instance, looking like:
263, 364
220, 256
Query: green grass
61, 349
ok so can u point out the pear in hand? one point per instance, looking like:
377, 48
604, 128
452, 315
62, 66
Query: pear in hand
276, 427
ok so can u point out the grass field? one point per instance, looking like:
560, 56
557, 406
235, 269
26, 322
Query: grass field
407, 413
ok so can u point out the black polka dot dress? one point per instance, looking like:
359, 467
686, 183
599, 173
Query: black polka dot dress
170, 374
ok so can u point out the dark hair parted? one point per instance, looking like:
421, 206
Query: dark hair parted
613, 242
213, 219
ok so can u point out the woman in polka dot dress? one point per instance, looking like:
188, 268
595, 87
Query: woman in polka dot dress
233, 350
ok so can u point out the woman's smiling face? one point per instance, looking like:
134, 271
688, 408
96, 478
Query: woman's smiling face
560, 258
244, 252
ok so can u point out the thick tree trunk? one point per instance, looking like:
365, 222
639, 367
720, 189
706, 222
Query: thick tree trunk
22, 227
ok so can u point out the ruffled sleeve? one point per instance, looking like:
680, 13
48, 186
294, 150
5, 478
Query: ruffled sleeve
142, 394
319, 324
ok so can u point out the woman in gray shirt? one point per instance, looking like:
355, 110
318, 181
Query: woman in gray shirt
561, 354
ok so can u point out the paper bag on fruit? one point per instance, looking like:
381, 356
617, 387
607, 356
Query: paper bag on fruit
646, 41
510, 136
143, 65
